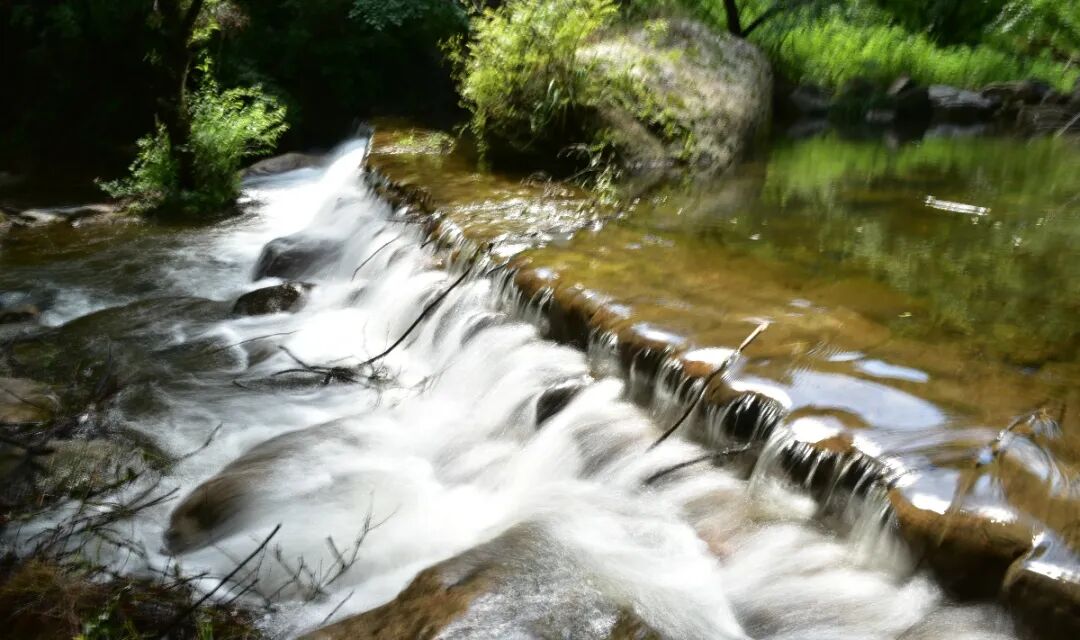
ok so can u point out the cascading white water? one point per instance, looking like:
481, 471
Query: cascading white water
444, 453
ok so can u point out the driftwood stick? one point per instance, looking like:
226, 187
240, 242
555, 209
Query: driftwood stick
250, 340
373, 254
198, 603
428, 309
731, 451
724, 366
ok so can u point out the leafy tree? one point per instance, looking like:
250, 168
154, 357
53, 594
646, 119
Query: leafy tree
1040, 26
190, 163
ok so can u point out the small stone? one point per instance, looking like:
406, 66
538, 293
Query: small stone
25, 401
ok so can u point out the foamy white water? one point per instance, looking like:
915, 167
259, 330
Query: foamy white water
445, 452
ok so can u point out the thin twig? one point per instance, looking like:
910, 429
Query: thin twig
339, 606
373, 254
243, 342
724, 366
732, 451
198, 603
428, 309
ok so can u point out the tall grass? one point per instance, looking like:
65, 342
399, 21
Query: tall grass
829, 43
832, 51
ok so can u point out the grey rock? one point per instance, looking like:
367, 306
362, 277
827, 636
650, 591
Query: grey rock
281, 298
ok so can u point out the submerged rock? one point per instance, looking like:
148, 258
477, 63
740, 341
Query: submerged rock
685, 94
294, 256
517, 585
277, 299
49, 215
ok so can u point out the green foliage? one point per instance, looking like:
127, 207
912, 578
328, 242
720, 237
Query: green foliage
387, 14
227, 126
520, 76
1036, 26
835, 50
945, 21
956, 42
153, 177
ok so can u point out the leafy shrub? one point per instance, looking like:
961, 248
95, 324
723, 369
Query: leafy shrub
227, 126
520, 77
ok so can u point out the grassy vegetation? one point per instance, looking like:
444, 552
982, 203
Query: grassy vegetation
966, 44
833, 51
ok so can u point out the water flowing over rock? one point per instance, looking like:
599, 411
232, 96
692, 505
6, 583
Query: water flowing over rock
295, 256
277, 299
438, 466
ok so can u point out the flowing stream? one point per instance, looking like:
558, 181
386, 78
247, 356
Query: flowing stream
452, 442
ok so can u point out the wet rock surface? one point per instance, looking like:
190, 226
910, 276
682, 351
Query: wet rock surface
69, 214
282, 298
506, 588
26, 402
295, 256
282, 163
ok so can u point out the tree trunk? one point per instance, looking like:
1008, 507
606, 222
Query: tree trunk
732, 12
178, 25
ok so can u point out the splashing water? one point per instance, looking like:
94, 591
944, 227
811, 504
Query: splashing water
443, 451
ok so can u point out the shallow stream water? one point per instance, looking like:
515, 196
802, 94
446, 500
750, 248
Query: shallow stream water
443, 448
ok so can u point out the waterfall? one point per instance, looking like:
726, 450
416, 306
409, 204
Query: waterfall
449, 444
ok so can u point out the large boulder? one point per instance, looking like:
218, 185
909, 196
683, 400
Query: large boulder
291, 257
910, 101
681, 94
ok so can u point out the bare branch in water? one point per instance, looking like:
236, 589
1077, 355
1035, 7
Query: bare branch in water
195, 606
375, 253
203, 446
428, 309
250, 340
716, 455
336, 609
724, 366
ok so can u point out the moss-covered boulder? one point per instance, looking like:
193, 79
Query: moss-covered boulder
680, 93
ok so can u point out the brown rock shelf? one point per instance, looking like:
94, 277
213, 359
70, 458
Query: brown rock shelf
665, 343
